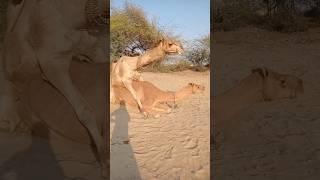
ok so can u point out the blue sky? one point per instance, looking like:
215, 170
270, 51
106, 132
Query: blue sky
188, 18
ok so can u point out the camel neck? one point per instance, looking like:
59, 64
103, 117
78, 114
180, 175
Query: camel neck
183, 93
150, 56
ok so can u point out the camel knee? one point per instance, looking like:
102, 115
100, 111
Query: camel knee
128, 85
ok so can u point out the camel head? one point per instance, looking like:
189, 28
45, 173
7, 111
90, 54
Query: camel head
279, 86
196, 88
170, 46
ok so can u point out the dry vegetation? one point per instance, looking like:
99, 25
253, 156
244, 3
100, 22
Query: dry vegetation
132, 34
275, 15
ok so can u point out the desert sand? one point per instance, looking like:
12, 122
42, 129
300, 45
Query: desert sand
25, 157
173, 146
272, 140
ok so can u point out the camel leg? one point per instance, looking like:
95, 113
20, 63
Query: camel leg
56, 71
128, 85
168, 110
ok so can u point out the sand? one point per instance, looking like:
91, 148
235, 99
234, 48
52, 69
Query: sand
25, 157
274, 140
174, 146
30, 158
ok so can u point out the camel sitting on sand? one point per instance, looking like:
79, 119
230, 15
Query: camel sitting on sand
261, 85
123, 72
151, 96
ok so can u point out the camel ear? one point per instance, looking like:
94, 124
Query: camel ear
258, 70
160, 42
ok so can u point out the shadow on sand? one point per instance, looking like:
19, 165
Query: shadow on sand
37, 162
123, 163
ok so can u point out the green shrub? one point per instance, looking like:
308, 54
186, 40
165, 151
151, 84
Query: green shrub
131, 24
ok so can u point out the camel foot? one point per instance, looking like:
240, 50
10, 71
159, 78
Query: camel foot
145, 115
157, 116
141, 109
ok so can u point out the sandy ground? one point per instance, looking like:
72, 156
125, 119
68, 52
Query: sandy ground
275, 140
35, 158
23, 157
174, 146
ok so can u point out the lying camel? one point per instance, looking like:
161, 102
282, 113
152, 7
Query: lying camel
260, 86
151, 96
123, 72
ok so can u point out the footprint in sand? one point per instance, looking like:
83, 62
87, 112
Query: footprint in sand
190, 143
168, 153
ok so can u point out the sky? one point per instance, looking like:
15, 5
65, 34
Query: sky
188, 18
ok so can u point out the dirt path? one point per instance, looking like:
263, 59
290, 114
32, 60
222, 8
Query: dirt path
174, 146
275, 140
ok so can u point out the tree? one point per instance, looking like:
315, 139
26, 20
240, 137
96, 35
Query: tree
131, 31
199, 51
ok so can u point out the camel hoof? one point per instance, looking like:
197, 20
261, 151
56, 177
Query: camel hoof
169, 110
142, 110
157, 116
145, 115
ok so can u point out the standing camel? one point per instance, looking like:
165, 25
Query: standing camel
124, 71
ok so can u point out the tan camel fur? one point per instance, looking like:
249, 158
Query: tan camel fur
151, 96
41, 39
261, 85
124, 70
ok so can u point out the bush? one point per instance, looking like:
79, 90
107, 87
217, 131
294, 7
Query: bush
273, 15
159, 66
130, 25
199, 51
285, 22
233, 14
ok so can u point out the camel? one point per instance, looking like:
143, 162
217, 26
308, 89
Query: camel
151, 96
261, 85
41, 39
123, 72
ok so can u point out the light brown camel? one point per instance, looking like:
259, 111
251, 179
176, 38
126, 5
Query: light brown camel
261, 85
151, 96
41, 39
123, 72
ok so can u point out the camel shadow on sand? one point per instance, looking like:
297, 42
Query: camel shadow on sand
123, 162
37, 162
